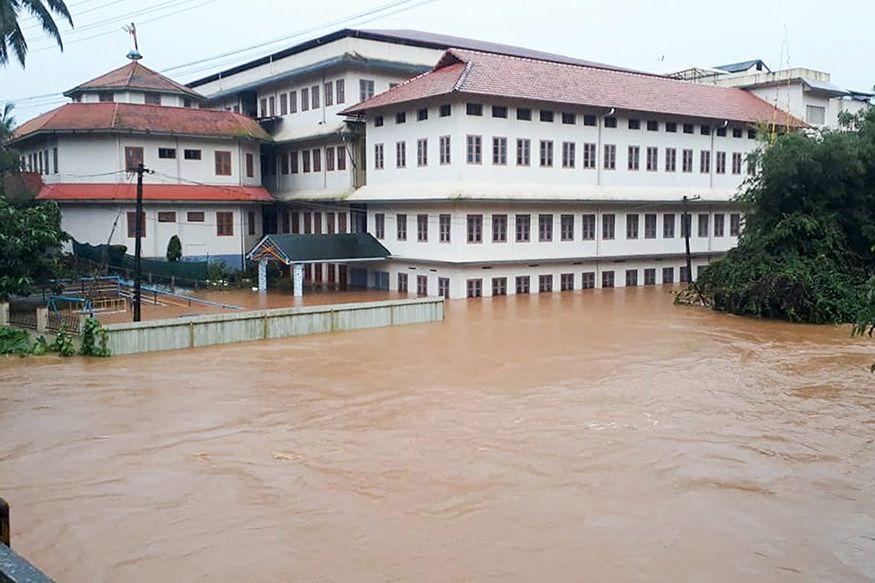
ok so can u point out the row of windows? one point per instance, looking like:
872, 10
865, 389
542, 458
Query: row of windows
222, 159
571, 118
330, 92
311, 222
295, 161
567, 227
149, 98
474, 155
41, 162
224, 222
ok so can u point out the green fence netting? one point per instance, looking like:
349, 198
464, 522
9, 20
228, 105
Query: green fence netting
115, 256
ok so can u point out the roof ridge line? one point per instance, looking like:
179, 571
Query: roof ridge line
457, 86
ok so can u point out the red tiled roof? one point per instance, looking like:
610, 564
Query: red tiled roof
137, 118
134, 76
84, 192
478, 73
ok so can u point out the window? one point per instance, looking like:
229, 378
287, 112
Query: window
152, 98
523, 284
719, 221
475, 288
652, 158
422, 285
632, 226
546, 115
132, 224
688, 128
195, 216
499, 286
737, 132
133, 157
401, 117
751, 134
566, 227
422, 114
721, 162
475, 228
650, 226
55, 160
587, 281
703, 225
686, 221
305, 99
523, 228
444, 287
683, 274
475, 149
401, 227
166, 217
545, 228
566, 281
445, 110
546, 153
671, 159
610, 157
250, 221
705, 162
223, 163
734, 225
568, 154
167, 153
650, 276
402, 283
751, 165
314, 97
705, 130
341, 222
588, 156
400, 154
340, 91
569, 118
317, 160
608, 224
379, 225
422, 152
667, 275
378, 156
285, 222
366, 89
445, 149
250, 164
607, 279
444, 226
341, 157
284, 103
631, 277
610, 122
293, 162
103, 97
317, 223
634, 124
378, 121
293, 101
634, 155
524, 114
499, 151
224, 224
523, 152
329, 158
736, 162
499, 228
687, 161
545, 283
474, 108
329, 94
589, 120
588, 223
499, 111
671, 127
422, 228
721, 132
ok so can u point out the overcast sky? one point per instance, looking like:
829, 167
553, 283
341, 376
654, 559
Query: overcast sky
647, 35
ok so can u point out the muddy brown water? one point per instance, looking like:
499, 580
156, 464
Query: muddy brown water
590, 436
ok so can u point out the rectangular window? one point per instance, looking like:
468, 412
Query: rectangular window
499, 111
475, 149
633, 163
329, 158
650, 276
132, 224
634, 124
589, 156
499, 151
166, 217
317, 160
103, 97
400, 154
569, 118
703, 225
305, 99
474, 109
546, 115
668, 226
445, 149
523, 152
589, 120
444, 287
523, 228
284, 103
378, 121
650, 226
631, 278
610, 157
167, 153
671, 127
224, 224
667, 275
587, 280
736, 163
687, 161
545, 283
317, 223
568, 154
608, 226
546, 153
588, 222
195, 216
632, 226
366, 89
683, 274
475, 228
402, 283
737, 132
545, 228
401, 117
340, 91
688, 128
422, 152
133, 157
671, 159
751, 166
607, 279
293, 161
55, 160
499, 286
523, 284
378, 156
401, 227
192, 154
815, 115
705, 162
422, 285
734, 225
422, 114
379, 225
719, 221
422, 228
329, 94
341, 157
444, 226
499, 228
721, 162
152, 98
705, 130
223, 163
250, 222
610, 122
445, 110
250, 164
652, 159
566, 281
475, 288
566, 227
293, 101
523, 113
652, 126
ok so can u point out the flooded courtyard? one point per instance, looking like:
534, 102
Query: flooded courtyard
604, 436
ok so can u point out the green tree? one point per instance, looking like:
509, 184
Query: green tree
8, 158
174, 249
12, 37
30, 239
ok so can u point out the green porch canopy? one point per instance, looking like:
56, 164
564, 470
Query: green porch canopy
297, 249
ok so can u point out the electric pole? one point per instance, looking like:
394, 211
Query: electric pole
139, 220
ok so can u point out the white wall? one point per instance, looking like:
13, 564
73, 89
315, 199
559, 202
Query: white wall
133, 96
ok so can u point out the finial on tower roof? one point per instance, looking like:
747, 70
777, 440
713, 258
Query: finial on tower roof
134, 53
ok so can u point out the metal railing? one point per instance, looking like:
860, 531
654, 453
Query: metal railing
13, 568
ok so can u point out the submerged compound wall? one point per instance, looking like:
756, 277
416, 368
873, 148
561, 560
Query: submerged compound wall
207, 330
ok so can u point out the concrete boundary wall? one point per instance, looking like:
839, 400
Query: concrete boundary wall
207, 330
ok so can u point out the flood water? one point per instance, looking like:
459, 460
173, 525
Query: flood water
590, 436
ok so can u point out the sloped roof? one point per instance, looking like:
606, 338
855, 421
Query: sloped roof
309, 248
134, 76
488, 74
742, 66
137, 118
124, 191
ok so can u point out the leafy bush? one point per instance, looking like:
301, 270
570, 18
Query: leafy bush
94, 340
14, 341
174, 249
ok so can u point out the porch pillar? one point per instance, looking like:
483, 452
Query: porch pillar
298, 279
262, 275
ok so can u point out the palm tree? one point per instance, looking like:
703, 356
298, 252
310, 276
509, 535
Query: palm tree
7, 122
12, 38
